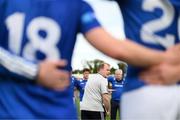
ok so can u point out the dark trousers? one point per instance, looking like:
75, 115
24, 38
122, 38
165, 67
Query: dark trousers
114, 108
92, 115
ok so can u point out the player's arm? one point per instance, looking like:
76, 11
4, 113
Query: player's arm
106, 102
168, 74
125, 50
17, 65
104, 94
46, 73
168, 71
75, 86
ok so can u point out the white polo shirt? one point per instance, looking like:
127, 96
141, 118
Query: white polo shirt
95, 87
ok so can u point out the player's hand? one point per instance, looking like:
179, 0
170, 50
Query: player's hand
51, 76
173, 54
163, 74
108, 113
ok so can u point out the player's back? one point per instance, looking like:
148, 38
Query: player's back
152, 23
37, 29
81, 86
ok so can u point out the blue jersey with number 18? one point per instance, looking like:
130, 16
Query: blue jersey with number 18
38, 30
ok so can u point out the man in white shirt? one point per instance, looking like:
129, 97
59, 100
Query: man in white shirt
96, 95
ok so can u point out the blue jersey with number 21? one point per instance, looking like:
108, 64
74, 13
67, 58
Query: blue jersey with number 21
152, 23
38, 30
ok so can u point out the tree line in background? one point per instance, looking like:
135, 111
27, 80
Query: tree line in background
93, 65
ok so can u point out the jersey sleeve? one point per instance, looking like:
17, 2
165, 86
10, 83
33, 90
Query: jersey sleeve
88, 19
110, 79
76, 83
16, 66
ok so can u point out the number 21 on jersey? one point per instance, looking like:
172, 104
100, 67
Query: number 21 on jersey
149, 29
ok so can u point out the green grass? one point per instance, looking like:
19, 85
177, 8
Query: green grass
79, 113
77, 101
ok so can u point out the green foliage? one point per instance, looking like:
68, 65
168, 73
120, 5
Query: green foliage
76, 71
93, 66
77, 101
113, 70
123, 66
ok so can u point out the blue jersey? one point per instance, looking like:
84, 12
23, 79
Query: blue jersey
10, 62
73, 81
38, 30
117, 86
152, 23
81, 86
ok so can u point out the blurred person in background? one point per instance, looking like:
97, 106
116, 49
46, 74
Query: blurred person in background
96, 96
81, 83
117, 84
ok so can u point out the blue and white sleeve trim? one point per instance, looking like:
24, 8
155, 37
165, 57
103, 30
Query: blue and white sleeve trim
18, 65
